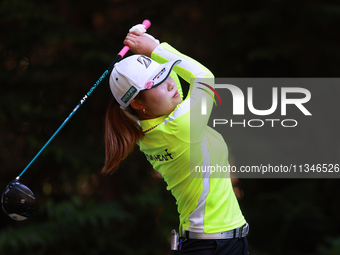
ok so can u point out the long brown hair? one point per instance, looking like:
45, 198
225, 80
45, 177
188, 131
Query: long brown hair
122, 132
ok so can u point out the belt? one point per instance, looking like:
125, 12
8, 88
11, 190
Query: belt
235, 233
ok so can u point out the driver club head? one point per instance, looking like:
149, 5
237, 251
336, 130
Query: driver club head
17, 201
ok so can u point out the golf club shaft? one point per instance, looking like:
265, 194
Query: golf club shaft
120, 55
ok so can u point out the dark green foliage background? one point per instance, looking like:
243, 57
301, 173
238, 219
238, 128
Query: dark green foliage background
52, 52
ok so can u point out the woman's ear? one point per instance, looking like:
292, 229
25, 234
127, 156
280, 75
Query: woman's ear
137, 104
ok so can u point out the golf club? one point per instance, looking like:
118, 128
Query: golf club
18, 200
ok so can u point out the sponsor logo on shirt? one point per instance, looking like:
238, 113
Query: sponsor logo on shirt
160, 157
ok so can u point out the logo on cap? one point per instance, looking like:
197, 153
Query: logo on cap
144, 61
159, 74
127, 96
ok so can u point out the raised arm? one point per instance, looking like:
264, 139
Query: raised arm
196, 75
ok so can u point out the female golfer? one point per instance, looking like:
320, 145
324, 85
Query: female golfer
149, 110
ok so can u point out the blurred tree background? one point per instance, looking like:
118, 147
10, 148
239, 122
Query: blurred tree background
51, 54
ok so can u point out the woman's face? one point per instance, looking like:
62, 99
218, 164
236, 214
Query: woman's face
161, 100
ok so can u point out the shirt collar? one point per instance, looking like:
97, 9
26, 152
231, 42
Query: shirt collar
147, 124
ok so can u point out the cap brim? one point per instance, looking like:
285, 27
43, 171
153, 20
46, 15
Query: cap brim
163, 72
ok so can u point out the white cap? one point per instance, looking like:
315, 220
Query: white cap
137, 73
